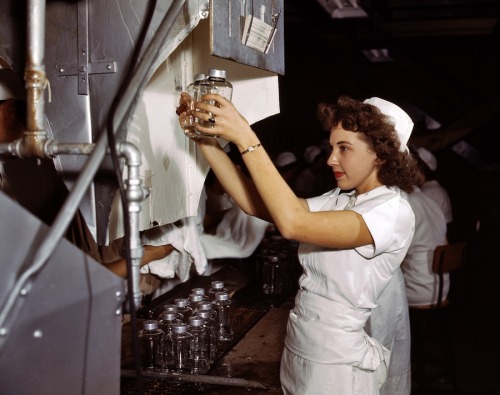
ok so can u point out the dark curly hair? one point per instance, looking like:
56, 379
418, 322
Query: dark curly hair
397, 168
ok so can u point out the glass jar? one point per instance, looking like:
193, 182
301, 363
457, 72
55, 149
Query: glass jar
167, 320
200, 291
272, 276
216, 286
183, 309
207, 306
167, 352
201, 345
194, 300
182, 346
214, 83
168, 308
222, 306
150, 340
211, 324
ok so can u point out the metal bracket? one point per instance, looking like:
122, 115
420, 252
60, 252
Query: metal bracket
83, 69
204, 8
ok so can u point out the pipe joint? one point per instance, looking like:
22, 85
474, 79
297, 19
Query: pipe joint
33, 144
130, 152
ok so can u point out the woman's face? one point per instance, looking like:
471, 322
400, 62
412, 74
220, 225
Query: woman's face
352, 161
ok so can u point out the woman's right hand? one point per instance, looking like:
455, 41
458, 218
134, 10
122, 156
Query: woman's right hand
228, 123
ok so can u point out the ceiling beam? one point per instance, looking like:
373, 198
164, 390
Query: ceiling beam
455, 131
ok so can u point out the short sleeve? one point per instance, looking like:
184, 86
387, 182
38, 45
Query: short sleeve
390, 223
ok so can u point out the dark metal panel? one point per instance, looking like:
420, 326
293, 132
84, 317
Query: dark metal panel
229, 39
64, 335
91, 47
68, 112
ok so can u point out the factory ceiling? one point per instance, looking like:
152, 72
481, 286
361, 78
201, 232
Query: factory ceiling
438, 59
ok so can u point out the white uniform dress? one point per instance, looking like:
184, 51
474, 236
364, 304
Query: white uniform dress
430, 231
326, 348
389, 323
436, 192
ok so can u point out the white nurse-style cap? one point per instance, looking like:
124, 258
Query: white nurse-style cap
285, 158
311, 153
428, 158
402, 121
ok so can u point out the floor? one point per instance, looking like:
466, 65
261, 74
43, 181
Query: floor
475, 344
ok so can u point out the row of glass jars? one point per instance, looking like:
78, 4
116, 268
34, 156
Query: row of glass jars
185, 336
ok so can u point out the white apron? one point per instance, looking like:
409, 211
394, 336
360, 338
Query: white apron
333, 337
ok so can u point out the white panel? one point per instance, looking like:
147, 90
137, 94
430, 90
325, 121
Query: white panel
172, 164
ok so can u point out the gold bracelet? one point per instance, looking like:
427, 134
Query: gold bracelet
251, 148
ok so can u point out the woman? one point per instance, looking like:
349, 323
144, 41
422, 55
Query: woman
351, 243
430, 231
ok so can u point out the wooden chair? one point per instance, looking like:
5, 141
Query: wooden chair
447, 258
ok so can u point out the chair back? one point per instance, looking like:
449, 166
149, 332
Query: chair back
447, 258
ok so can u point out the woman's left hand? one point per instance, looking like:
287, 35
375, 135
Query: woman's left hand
154, 253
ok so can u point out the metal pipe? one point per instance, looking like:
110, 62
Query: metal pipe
35, 81
53, 148
11, 149
204, 379
137, 83
49, 149
135, 195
